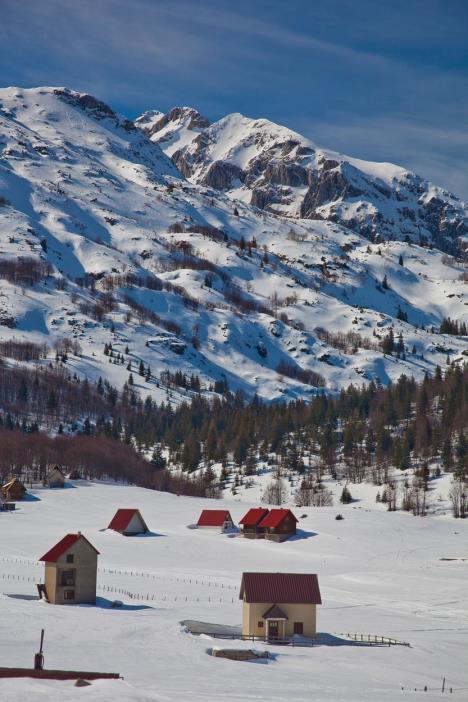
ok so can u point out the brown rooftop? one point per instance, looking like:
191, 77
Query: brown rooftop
290, 588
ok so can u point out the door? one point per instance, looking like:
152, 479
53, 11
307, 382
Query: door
298, 628
273, 629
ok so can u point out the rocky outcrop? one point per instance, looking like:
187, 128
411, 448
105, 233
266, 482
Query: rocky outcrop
222, 175
273, 168
192, 118
92, 105
325, 186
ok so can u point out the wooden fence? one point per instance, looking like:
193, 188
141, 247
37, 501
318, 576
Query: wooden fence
375, 639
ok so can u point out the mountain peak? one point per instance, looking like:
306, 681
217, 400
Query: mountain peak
175, 128
277, 169
153, 121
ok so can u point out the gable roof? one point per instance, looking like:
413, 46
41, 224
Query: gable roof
213, 517
56, 469
289, 588
274, 612
123, 517
254, 516
14, 481
63, 546
275, 517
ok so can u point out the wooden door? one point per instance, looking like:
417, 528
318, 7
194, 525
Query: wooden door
273, 629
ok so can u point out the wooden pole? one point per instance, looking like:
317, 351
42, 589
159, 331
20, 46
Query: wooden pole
39, 657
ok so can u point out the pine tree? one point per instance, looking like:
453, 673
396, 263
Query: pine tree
23, 392
447, 454
157, 459
401, 315
191, 454
388, 343
346, 497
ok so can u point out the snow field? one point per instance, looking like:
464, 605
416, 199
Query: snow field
379, 573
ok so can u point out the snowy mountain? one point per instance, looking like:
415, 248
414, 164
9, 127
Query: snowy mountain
276, 169
104, 241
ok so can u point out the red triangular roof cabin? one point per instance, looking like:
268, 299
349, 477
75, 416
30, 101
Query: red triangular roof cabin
215, 518
128, 522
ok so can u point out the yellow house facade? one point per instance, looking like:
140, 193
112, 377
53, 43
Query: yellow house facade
279, 605
70, 573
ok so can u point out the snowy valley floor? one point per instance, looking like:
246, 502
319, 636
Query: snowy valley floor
380, 573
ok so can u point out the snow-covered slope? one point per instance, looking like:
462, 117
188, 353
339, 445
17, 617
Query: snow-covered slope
181, 277
276, 169
382, 573
174, 130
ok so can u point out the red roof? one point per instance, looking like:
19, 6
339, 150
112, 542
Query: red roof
63, 546
213, 517
123, 517
253, 516
285, 588
275, 517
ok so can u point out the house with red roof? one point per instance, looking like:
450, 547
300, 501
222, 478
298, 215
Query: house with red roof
128, 522
278, 525
217, 519
70, 572
250, 523
277, 606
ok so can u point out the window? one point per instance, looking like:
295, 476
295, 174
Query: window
69, 595
70, 558
67, 577
260, 624
298, 628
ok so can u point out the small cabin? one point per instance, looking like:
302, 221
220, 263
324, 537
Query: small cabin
128, 522
250, 523
14, 490
55, 478
217, 519
277, 606
70, 572
279, 525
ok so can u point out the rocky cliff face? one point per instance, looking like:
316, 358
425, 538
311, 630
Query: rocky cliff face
275, 169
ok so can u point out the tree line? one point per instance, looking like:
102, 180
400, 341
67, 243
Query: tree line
362, 434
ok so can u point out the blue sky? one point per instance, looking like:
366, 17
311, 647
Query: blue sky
379, 80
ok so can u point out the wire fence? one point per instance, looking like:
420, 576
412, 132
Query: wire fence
150, 587
208, 581
153, 597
